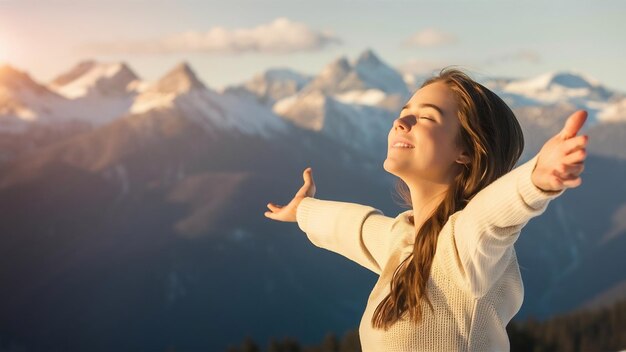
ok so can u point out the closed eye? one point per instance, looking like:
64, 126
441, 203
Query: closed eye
427, 118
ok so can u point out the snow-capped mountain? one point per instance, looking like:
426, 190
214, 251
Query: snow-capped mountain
353, 103
179, 81
91, 78
105, 90
377, 74
365, 73
97, 93
367, 89
613, 111
181, 90
24, 101
560, 87
360, 127
497, 83
273, 85
554, 86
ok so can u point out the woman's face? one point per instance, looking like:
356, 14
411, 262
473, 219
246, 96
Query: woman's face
432, 134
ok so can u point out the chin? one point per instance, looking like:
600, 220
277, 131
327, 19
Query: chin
388, 168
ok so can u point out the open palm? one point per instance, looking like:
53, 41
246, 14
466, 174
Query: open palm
288, 212
561, 159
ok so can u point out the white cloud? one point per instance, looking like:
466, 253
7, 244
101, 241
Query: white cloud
281, 36
430, 37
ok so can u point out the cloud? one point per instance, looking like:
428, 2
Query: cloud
526, 55
430, 37
282, 36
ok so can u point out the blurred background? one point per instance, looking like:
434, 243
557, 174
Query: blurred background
140, 142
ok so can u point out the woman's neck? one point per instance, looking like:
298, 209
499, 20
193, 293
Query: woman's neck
425, 200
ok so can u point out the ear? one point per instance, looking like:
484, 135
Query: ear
463, 159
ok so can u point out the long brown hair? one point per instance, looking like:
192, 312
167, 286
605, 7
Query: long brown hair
492, 137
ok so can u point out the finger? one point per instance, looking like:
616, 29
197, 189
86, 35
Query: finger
573, 124
573, 183
575, 157
274, 207
574, 170
271, 215
563, 176
308, 175
575, 143
560, 183
560, 175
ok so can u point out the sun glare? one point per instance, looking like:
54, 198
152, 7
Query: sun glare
2, 53
4, 48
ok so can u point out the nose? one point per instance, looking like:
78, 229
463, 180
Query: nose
400, 123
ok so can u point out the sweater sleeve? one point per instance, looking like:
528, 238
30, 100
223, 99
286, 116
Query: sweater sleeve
355, 231
486, 229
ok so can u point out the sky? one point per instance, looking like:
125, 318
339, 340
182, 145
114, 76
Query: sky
228, 42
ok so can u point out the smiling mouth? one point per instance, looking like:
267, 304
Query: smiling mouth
401, 145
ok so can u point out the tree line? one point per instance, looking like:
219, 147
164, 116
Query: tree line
601, 329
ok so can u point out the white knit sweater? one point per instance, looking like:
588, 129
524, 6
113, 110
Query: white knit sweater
475, 284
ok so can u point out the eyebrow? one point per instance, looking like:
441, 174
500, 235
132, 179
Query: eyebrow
426, 105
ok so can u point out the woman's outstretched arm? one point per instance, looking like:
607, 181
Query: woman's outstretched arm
357, 232
486, 229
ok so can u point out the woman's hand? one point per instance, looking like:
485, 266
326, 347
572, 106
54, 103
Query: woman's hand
288, 212
560, 160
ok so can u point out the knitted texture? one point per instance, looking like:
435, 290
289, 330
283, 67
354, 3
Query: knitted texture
475, 284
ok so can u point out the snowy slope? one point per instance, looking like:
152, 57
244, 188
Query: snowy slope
351, 102
272, 85
181, 90
613, 111
558, 85
23, 102
366, 72
91, 93
178, 81
564, 91
101, 91
379, 75
360, 127
96, 79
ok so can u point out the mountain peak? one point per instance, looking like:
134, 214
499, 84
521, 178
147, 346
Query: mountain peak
367, 72
559, 86
78, 70
13, 78
91, 77
340, 64
570, 79
337, 69
368, 57
7, 71
179, 79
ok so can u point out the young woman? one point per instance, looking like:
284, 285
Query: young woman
449, 278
